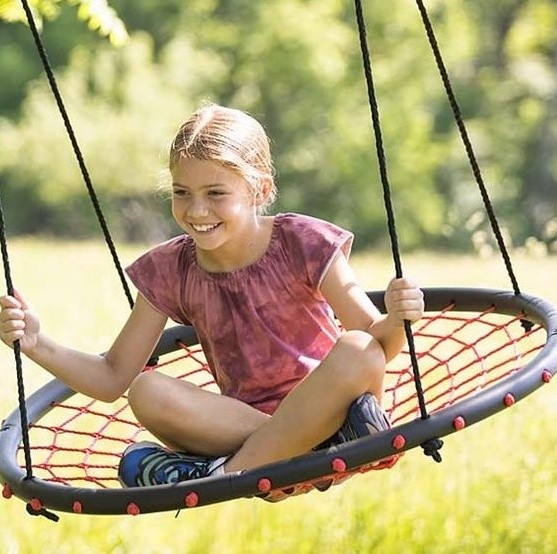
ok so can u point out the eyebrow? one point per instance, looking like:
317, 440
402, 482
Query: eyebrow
207, 186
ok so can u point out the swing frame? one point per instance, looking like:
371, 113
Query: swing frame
336, 462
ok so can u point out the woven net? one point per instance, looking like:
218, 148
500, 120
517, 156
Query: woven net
80, 441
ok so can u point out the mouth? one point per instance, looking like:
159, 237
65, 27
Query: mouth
204, 228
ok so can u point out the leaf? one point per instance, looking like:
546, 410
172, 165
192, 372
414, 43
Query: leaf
11, 11
98, 15
102, 18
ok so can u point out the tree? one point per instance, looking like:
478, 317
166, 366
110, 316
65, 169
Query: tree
98, 15
296, 66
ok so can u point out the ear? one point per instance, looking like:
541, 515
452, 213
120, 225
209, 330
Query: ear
263, 194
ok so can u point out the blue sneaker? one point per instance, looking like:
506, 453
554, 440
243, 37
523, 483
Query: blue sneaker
146, 463
365, 417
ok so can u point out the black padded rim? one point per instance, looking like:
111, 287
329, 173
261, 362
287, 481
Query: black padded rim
303, 468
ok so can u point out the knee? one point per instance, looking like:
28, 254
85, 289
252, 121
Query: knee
363, 360
140, 386
146, 394
361, 349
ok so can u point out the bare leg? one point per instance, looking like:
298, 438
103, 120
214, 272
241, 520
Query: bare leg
185, 417
316, 408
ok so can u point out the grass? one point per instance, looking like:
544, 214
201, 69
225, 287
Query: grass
494, 492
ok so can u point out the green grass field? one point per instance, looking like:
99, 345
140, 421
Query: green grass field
494, 492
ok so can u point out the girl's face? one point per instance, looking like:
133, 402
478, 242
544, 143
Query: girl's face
214, 205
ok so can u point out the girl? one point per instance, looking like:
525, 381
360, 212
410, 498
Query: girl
260, 292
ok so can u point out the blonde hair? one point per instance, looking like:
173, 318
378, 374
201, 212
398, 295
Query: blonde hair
232, 138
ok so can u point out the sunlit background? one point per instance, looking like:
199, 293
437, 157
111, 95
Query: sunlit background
131, 71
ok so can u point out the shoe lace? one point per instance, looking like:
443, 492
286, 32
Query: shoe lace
165, 467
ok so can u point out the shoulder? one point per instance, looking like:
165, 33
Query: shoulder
169, 249
163, 258
294, 221
159, 274
301, 224
308, 229
311, 244
171, 246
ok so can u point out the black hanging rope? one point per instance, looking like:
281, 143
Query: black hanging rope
467, 144
391, 224
5, 259
19, 374
375, 119
71, 134
17, 353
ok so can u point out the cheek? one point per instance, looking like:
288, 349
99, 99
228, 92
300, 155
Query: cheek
237, 206
177, 210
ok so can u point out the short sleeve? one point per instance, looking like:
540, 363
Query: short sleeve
313, 244
158, 275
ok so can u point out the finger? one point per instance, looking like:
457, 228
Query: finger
407, 298
24, 305
414, 310
10, 338
11, 314
11, 322
403, 302
402, 283
407, 284
11, 325
8, 301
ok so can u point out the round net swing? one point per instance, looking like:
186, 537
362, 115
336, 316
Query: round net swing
476, 358
475, 352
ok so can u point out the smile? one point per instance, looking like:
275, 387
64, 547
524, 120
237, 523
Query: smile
204, 228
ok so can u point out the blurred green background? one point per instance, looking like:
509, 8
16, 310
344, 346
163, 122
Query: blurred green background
132, 70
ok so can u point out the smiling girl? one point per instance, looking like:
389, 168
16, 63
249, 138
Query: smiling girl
262, 293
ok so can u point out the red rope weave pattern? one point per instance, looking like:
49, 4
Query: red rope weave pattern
80, 441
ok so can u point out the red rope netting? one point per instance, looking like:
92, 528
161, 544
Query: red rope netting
79, 442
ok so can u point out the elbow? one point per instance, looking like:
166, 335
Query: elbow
116, 391
114, 386
108, 395
111, 392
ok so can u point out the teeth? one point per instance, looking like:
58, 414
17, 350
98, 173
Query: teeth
204, 228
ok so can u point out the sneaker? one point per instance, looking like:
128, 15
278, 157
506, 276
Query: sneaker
146, 463
365, 417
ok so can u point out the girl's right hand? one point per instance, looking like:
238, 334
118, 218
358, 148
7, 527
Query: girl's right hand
18, 322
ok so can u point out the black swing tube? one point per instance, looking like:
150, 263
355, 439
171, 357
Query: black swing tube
302, 468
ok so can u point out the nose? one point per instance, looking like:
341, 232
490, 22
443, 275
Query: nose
197, 207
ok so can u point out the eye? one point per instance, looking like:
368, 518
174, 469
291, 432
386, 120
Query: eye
179, 192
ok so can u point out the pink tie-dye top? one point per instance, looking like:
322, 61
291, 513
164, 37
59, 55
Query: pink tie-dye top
264, 327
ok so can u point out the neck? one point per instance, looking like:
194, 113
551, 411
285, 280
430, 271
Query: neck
242, 252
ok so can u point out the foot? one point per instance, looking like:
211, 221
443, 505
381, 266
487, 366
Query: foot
365, 417
146, 463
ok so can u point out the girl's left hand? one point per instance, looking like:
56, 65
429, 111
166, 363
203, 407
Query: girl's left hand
404, 301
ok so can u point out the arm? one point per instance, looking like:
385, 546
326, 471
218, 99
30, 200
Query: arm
105, 377
355, 310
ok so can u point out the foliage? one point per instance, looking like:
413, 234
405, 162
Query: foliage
98, 14
122, 151
296, 66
